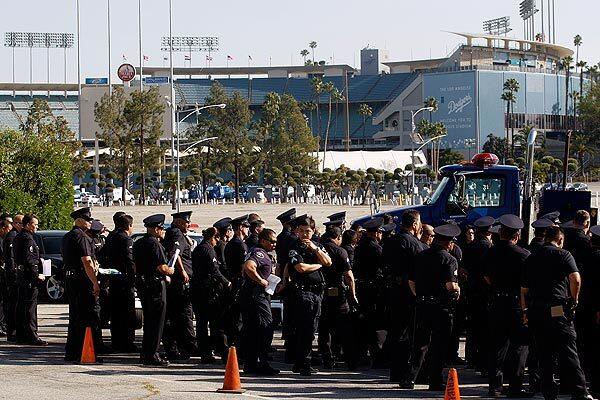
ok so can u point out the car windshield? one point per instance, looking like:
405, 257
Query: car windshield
52, 244
438, 192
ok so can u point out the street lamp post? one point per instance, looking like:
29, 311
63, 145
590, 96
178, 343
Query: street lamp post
179, 121
413, 114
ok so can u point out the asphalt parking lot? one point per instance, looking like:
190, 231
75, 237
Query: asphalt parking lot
27, 372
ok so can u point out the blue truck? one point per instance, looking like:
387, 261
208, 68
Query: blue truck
484, 188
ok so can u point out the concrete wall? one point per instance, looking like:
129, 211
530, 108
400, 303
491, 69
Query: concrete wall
92, 94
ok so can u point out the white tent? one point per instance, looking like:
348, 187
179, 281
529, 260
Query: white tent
386, 160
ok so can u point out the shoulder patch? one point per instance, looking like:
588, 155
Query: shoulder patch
260, 255
31, 249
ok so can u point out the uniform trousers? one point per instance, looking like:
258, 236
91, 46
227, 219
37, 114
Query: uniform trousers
588, 345
122, 313
154, 307
84, 312
335, 326
179, 333
306, 306
555, 339
401, 331
257, 330
477, 331
10, 304
431, 339
508, 343
209, 315
370, 323
26, 316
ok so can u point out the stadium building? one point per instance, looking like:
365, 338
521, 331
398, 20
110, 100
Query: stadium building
467, 84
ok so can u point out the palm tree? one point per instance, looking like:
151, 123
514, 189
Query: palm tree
365, 111
511, 87
566, 65
577, 42
304, 53
433, 104
581, 64
328, 88
313, 46
337, 97
317, 88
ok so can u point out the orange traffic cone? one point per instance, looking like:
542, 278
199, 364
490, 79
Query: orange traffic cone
88, 355
231, 382
452, 390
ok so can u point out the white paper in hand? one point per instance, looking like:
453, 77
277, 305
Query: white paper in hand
174, 259
46, 267
273, 282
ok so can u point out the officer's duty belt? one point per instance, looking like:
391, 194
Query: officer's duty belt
315, 288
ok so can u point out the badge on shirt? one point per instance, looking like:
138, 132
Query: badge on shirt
31, 249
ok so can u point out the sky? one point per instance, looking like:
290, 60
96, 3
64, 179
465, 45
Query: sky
272, 32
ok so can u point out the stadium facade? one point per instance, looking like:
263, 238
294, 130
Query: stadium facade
467, 85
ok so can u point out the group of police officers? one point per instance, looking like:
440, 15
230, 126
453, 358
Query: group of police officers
378, 294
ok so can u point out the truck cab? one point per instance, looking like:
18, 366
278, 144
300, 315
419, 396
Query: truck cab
469, 191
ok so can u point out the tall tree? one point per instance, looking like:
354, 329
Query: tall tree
582, 65
432, 103
577, 41
566, 65
304, 53
317, 89
511, 88
365, 111
328, 88
313, 46
338, 97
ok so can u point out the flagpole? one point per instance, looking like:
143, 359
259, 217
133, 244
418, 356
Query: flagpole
109, 50
172, 86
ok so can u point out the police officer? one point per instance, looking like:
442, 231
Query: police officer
368, 272
225, 234
399, 255
5, 227
256, 227
427, 235
101, 306
118, 250
588, 314
179, 338
306, 259
577, 241
82, 283
338, 219
334, 322
476, 294
434, 283
255, 302
10, 269
284, 241
209, 287
549, 296
504, 265
349, 242
152, 272
27, 260
235, 255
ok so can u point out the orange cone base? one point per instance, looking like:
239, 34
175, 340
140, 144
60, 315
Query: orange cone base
239, 391
88, 355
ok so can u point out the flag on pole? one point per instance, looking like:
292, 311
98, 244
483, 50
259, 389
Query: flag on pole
187, 58
146, 58
229, 58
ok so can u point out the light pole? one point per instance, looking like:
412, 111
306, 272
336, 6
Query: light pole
195, 112
413, 114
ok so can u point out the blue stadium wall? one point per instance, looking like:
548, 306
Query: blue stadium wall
470, 105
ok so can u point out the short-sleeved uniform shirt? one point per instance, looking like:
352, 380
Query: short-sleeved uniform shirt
436, 267
175, 239
504, 263
118, 250
300, 253
75, 245
547, 276
368, 260
402, 250
148, 254
472, 262
340, 263
27, 255
578, 244
263, 260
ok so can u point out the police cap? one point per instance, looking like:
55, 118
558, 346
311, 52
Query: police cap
511, 221
222, 223
331, 223
287, 216
373, 225
387, 228
542, 223
595, 231
483, 224
553, 216
240, 221
97, 226
154, 221
299, 220
339, 216
447, 231
83, 213
184, 215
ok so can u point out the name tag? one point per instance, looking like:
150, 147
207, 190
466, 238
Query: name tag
557, 311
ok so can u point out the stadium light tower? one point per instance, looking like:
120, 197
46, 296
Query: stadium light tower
190, 44
497, 26
527, 10
45, 40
